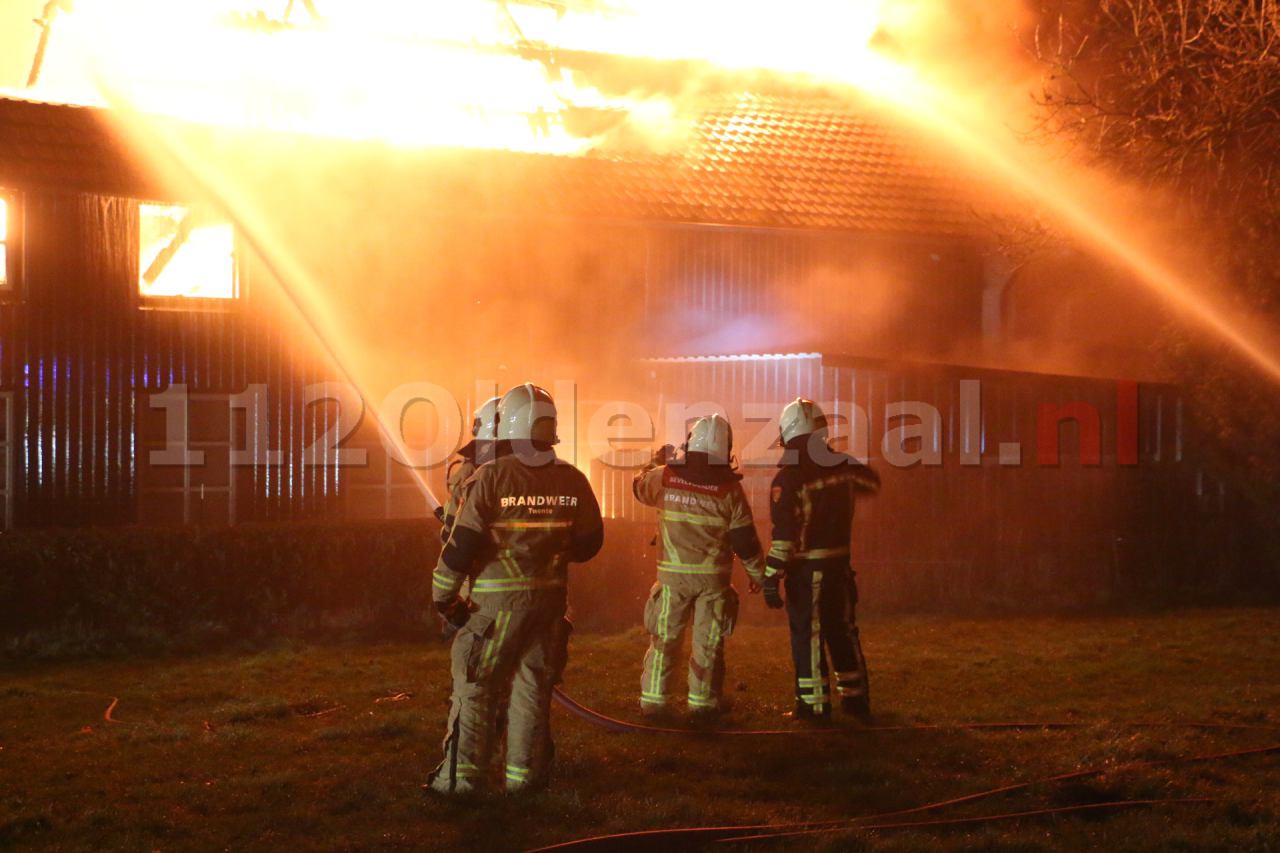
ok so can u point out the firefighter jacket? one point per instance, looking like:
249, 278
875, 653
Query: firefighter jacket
811, 507
703, 521
461, 467
518, 528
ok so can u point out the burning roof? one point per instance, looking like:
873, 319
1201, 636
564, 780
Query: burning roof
749, 160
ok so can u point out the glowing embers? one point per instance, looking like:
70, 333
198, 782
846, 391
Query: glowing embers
184, 253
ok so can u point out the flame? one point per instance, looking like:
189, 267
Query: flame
176, 260
479, 74
485, 74
408, 73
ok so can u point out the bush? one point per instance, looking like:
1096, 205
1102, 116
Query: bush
107, 589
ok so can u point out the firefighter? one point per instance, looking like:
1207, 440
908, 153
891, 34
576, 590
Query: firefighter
473, 454
811, 504
524, 517
703, 519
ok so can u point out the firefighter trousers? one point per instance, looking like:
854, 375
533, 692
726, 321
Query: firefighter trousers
510, 652
820, 609
711, 603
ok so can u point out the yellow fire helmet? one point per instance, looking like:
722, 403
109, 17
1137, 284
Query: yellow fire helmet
484, 424
800, 417
713, 436
527, 413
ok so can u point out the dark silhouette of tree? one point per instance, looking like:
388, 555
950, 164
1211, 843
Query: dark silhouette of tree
1185, 92
1185, 95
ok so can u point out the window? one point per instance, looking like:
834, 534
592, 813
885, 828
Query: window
184, 460
184, 254
10, 250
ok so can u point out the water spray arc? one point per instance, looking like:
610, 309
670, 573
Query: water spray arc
164, 150
899, 90
1089, 225
815, 45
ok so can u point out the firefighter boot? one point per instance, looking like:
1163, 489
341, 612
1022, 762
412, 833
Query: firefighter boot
857, 706
804, 712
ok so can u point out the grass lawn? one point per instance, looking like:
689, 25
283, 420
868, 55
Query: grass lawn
291, 747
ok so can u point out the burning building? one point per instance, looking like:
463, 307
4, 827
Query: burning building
152, 371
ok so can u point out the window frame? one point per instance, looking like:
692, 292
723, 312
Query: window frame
196, 304
188, 490
395, 488
11, 290
397, 497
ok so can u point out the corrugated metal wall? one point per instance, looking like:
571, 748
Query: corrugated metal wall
82, 359
67, 357
722, 291
950, 531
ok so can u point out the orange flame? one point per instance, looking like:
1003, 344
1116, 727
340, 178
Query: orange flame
483, 74
469, 74
409, 73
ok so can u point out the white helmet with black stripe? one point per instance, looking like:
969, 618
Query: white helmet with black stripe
527, 413
800, 417
713, 436
484, 424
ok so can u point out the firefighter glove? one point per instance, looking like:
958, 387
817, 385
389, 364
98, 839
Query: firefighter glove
455, 614
772, 594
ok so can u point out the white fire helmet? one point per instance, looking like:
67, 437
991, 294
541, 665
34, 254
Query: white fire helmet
484, 425
713, 436
800, 417
527, 413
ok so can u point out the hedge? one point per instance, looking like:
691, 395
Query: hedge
104, 590
69, 591
101, 590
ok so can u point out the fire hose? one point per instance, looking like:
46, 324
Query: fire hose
699, 836
616, 726
760, 832
882, 821
746, 833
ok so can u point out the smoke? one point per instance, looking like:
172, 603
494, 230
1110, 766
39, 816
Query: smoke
411, 266
448, 265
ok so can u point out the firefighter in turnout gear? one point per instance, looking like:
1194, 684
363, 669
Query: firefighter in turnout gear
703, 519
524, 517
473, 454
811, 502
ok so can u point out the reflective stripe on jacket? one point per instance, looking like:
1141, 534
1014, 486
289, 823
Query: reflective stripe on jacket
701, 525
811, 506
518, 528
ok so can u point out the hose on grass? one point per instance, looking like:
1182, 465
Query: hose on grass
617, 726
1115, 805
749, 833
701, 835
